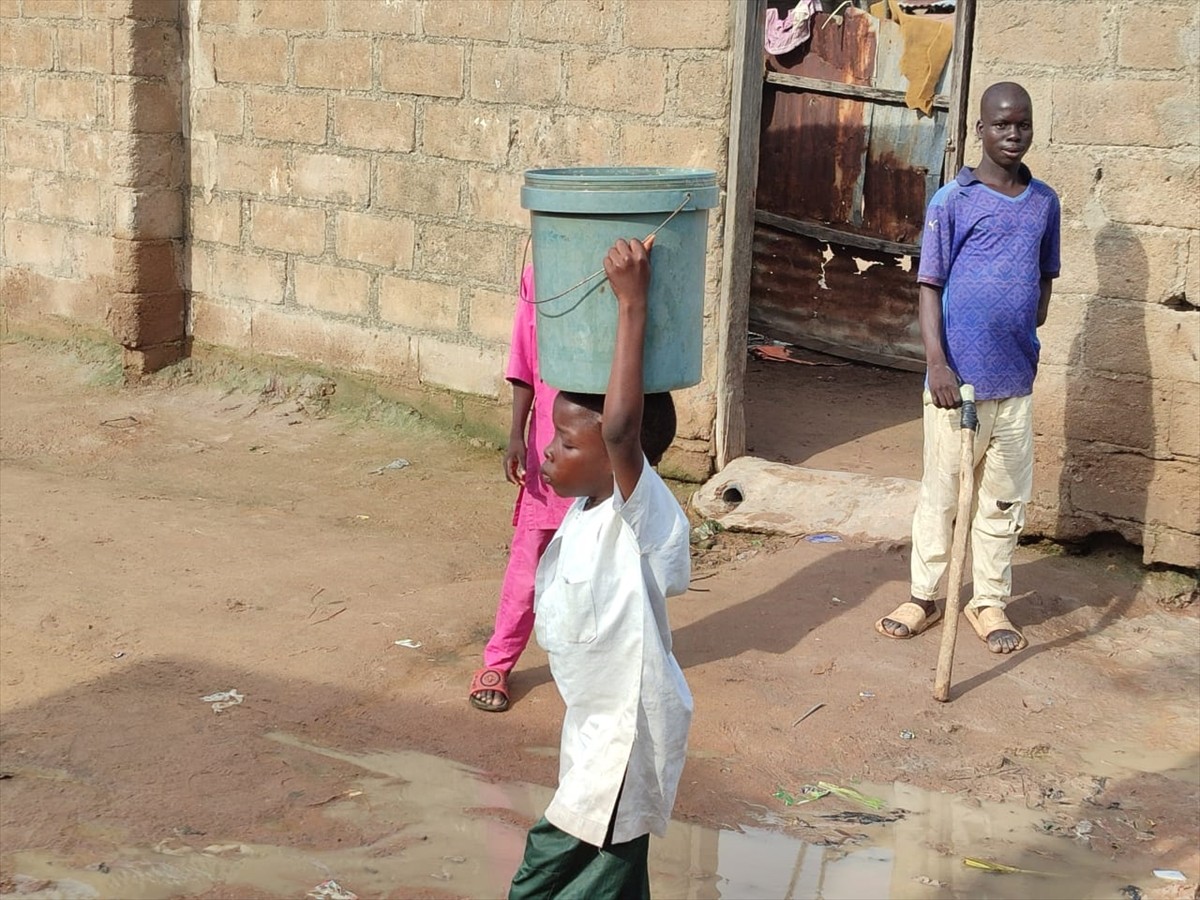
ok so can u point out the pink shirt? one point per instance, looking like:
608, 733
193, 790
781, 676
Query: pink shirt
535, 500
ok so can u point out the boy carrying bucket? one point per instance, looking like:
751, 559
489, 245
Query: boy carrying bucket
601, 616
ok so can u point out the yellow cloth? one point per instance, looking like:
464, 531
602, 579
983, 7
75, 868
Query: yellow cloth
928, 41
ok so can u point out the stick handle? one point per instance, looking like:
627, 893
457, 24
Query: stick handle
968, 424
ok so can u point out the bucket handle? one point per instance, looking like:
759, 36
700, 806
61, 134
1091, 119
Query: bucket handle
687, 198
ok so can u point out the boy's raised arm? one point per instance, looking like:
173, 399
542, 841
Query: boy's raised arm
627, 266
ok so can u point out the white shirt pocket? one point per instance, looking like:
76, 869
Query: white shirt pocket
568, 613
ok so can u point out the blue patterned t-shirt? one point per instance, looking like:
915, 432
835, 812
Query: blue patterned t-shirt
988, 252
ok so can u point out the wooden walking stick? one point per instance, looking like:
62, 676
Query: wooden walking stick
968, 425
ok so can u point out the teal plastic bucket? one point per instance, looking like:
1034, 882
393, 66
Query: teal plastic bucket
576, 216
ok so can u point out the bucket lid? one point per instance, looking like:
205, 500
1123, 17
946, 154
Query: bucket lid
619, 189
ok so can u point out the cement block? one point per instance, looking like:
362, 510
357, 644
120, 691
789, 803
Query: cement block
65, 99
217, 110
516, 75
240, 276
423, 305
490, 314
256, 59
414, 67
376, 240
625, 83
218, 220
388, 125
332, 288
292, 229
291, 15
328, 176
753, 494
144, 320
467, 132
569, 22
706, 24
430, 187
338, 63
459, 367
218, 323
295, 118
480, 20
378, 16
454, 248
334, 343
1125, 112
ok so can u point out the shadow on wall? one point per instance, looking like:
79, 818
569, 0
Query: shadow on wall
1108, 420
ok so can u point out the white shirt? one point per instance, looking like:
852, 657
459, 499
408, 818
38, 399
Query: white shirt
601, 616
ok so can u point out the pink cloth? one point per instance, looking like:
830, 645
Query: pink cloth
539, 511
782, 35
514, 613
543, 507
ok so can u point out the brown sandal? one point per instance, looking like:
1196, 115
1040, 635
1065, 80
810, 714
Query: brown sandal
488, 679
911, 616
987, 620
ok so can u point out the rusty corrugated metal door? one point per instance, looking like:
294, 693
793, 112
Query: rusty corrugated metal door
845, 173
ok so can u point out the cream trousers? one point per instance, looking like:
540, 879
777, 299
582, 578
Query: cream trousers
1003, 485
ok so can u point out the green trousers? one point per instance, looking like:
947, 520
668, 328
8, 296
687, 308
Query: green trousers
557, 865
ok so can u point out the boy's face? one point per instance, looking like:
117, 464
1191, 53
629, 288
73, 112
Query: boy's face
576, 463
1006, 128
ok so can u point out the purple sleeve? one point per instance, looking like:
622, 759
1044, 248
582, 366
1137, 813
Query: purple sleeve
522, 350
936, 243
1050, 262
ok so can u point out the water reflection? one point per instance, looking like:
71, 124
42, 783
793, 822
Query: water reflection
450, 829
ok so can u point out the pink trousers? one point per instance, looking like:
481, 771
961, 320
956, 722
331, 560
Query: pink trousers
514, 615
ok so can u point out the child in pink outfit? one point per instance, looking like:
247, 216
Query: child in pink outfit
538, 513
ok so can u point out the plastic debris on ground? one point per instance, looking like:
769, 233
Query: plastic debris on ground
867, 695
706, 531
907, 735
824, 538
996, 868
394, 464
1131, 892
223, 699
932, 882
409, 643
807, 714
330, 890
811, 792
1170, 875
862, 818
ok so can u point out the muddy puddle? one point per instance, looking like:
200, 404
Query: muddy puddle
453, 832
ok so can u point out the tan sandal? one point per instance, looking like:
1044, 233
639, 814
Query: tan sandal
987, 620
911, 616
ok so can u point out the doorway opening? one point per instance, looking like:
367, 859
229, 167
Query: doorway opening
860, 124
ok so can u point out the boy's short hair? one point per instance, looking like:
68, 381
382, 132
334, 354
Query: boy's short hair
658, 420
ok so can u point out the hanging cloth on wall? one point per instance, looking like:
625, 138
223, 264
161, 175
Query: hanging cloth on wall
788, 33
928, 40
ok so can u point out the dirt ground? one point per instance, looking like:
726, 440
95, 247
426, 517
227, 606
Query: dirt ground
199, 534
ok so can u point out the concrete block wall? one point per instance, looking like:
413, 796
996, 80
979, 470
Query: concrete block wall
91, 203
355, 166
1116, 90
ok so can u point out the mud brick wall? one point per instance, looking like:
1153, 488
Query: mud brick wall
356, 166
1117, 133
91, 201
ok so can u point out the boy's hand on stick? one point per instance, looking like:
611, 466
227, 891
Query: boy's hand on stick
627, 266
943, 386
